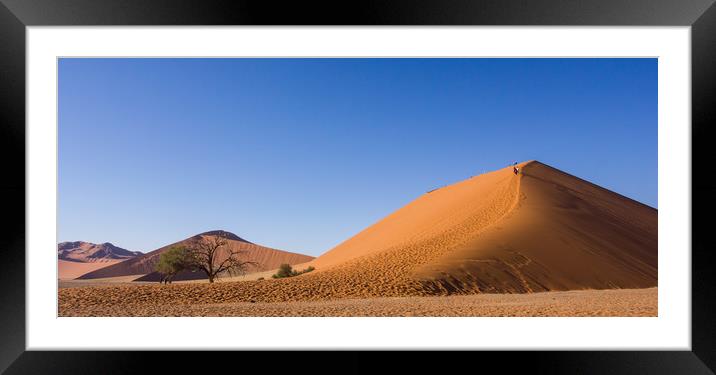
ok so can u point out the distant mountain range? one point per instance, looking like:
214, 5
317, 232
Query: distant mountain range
78, 257
87, 252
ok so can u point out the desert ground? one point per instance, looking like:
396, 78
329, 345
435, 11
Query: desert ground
537, 243
617, 302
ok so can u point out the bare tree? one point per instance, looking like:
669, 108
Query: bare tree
204, 253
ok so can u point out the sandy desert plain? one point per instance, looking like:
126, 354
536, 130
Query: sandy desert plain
537, 243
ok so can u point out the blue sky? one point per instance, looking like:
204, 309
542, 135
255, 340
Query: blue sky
301, 154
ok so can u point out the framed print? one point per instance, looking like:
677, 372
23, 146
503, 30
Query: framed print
473, 176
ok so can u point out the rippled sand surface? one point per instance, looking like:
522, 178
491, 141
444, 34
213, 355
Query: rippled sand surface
624, 302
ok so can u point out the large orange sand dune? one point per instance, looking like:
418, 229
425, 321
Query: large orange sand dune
499, 232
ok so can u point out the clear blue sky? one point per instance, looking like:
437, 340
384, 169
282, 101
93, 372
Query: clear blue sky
301, 154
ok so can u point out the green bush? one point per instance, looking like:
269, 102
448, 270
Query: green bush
285, 270
172, 262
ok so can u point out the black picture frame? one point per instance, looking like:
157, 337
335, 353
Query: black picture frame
15, 15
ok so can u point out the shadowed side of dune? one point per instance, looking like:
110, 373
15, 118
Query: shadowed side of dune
68, 270
565, 233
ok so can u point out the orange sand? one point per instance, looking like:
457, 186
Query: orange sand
611, 302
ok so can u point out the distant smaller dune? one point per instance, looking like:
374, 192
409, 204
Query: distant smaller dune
265, 257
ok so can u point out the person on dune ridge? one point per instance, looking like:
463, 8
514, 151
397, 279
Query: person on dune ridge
515, 169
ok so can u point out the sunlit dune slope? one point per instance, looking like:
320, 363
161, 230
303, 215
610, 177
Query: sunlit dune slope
446, 214
267, 259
